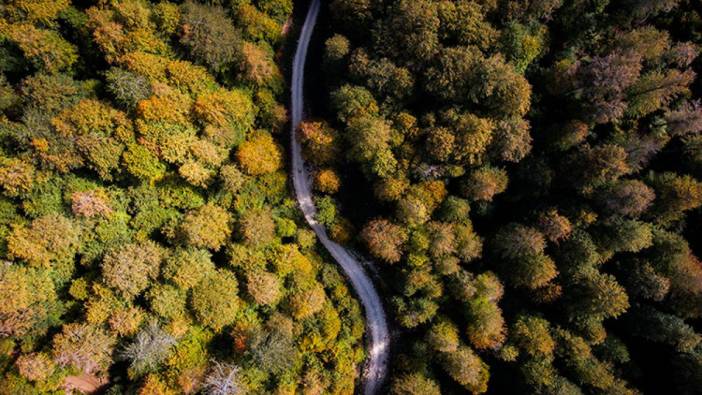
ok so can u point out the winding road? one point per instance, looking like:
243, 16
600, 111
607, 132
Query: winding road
376, 322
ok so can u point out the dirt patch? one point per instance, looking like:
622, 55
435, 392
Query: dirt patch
85, 383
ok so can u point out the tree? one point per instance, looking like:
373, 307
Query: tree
320, 142
596, 166
655, 90
645, 283
258, 68
626, 197
48, 240
167, 301
16, 176
353, 101
228, 115
554, 226
532, 334
603, 83
256, 25
414, 384
412, 26
384, 239
336, 48
91, 203
625, 235
512, 140
273, 349
149, 348
257, 227
597, 295
327, 181
214, 300
232, 178
522, 44
186, 267
44, 49
143, 164
382, 77
685, 120
443, 336
264, 287
131, 267
484, 183
128, 88
35, 366
223, 379
464, 22
206, 227
486, 326
83, 346
305, 303
675, 195
209, 35
515, 241
259, 155
30, 301
467, 369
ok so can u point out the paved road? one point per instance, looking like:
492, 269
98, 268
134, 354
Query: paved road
379, 339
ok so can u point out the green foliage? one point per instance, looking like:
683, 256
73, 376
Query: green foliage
214, 300
206, 227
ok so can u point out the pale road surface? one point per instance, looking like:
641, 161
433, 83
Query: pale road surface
376, 322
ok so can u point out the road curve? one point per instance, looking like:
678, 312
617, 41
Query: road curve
376, 322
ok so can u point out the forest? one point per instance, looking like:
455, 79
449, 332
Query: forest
526, 176
149, 241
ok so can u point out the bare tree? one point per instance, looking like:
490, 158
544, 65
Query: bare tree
223, 379
149, 348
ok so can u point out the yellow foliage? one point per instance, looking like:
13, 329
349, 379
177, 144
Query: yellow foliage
258, 66
146, 64
93, 117
196, 173
167, 16
133, 13
260, 155
107, 34
227, 114
16, 176
154, 386
36, 11
190, 78
327, 181
208, 153
46, 49
48, 239
171, 107
145, 40
306, 303
126, 321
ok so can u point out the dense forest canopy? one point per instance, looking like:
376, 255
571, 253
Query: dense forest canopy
149, 241
534, 171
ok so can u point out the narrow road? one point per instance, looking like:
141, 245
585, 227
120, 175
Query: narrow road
376, 322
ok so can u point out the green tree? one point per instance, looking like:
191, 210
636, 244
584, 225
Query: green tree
206, 227
214, 300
